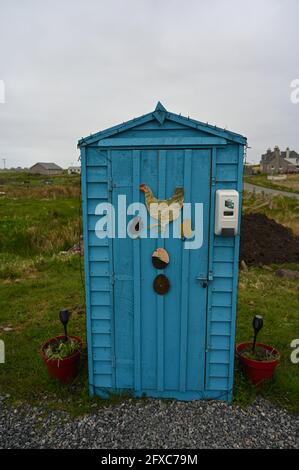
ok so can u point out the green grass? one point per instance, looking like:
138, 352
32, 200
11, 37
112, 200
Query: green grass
10, 180
277, 300
291, 184
29, 227
30, 305
284, 210
38, 220
36, 281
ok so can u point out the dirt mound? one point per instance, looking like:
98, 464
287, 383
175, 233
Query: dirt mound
264, 241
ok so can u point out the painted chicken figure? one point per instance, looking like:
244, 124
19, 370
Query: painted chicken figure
163, 210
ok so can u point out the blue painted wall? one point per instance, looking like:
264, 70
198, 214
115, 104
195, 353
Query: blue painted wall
180, 345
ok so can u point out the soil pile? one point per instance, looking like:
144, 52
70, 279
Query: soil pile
264, 241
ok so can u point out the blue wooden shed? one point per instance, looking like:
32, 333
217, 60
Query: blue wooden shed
181, 344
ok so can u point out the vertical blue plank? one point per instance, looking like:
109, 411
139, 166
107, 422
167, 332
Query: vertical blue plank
123, 266
86, 271
111, 272
136, 254
160, 298
210, 264
185, 279
235, 278
198, 265
172, 301
149, 339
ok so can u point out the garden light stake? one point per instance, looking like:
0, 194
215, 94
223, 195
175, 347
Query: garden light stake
257, 324
64, 316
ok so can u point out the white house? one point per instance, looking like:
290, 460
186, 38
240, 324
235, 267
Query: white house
74, 170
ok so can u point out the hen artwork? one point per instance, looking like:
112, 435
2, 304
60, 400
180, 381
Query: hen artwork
163, 210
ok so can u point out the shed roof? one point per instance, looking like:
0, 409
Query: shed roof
161, 114
48, 166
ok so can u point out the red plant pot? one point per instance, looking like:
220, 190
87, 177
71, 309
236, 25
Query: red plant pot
65, 370
257, 371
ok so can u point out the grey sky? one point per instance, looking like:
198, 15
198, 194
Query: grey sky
72, 67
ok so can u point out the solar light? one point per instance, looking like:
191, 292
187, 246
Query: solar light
64, 316
257, 324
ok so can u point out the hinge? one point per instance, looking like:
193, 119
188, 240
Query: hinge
112, 278
213, 180
113, 361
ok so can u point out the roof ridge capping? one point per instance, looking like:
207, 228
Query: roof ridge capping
160, 113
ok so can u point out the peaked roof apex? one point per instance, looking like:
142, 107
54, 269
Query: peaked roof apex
48, 165
160, 107
160, 114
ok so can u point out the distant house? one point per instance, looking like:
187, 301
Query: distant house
292, 157
74, 170
48, 169
274, 162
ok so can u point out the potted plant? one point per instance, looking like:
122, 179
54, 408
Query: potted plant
61, 354
259, 360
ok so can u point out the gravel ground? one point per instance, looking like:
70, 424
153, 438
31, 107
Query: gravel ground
151, 424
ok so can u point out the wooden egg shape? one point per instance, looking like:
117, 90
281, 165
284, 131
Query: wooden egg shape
160, 258
161, 284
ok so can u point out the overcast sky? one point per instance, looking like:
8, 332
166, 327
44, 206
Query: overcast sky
73, 67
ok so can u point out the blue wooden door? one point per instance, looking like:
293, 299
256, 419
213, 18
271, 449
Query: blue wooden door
160, 341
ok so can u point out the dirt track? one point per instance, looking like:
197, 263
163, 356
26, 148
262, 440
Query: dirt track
261, 189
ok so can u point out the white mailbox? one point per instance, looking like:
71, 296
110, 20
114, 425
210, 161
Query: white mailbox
226, 212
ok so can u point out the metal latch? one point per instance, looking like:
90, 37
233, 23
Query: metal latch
205, 279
